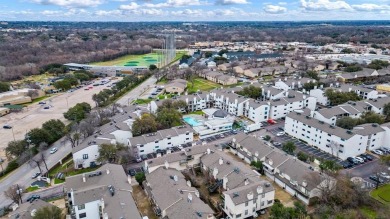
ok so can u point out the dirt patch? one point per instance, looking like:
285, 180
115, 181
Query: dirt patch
285, 198
61, 204
143, 203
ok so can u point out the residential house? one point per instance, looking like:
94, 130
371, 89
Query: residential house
224, 66
173, 197
362, 75
252, 72
104, 193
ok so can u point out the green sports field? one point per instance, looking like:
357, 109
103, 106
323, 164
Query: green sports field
137, 60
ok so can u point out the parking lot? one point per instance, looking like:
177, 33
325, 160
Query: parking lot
302, 146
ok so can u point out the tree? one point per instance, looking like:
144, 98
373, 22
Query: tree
386, 111
14, 193
329, 165
37, 136
267, 138
63, 85
289, 147
140, 178
346, 122
48, 212
371, 117
82, 76
251, 92
278, 211
258, 165
32, 93
353, 68
302, 156
208, 54
310, 86
146, 124
55, 128
108, 152
152, 67
313, 75
168, 117
15, 148
337, 97
78, 112
4, 86
378, 64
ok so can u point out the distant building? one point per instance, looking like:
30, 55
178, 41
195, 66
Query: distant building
176, 86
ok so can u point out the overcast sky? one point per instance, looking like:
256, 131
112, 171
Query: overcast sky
193, 10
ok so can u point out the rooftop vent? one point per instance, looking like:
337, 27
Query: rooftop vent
374, 125
349, 132
322, 122
236, 170
235, 194
267, 184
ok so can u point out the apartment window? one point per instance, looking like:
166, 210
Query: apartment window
82, 215
238, 215
187, 139
169, 138
188, 134
262, 203
141, 151
270, 202
341, 145
246, 203
169, 142
246, 212
254, 201
85, 156
263, 195
157, 147
81, 207
141, 146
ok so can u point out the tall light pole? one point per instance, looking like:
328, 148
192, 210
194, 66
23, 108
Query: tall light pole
13, 134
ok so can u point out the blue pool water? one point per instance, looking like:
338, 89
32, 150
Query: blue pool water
191, 121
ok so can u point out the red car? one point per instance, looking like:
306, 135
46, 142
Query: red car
271, 121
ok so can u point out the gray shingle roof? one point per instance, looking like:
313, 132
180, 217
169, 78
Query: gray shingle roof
96, 188
24, 210
239, 195
160, 185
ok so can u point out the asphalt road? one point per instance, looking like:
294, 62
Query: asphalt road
22, 175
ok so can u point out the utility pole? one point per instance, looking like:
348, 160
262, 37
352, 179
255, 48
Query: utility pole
19, 193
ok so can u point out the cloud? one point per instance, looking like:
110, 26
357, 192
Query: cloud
70, 3
274, 9
371, 7
189, 12
131, 6
167, 4
108, 13
325, 5
231, 2
51, 13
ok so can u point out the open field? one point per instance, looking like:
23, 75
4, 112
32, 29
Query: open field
137, 60
382, 194
201, 84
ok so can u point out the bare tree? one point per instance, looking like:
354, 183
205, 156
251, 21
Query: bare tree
32, 93
14, 193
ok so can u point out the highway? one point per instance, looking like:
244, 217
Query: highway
22, 175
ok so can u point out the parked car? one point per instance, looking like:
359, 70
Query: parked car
86, 88
367, 156
359, 159
31, 198
132, 172
53, 150
376, 179
280, 133
35, 175
276, 143
378, 152
386, 150
384, 175
353, 161
346, 165
7, 127
42, 103
46, 107
281, 128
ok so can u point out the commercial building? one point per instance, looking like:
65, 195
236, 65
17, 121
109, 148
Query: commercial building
104, 193
176, 86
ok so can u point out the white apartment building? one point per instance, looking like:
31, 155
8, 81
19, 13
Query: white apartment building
292, 84
161, 140
293, 100
230, 102
245, 201
101, 194
86, 154
330, 115
257, 111
329, 138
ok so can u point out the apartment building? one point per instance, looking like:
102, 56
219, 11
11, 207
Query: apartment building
85, 155
160, 140
104, 193
292, 84
257, 111
329, 138
173, 197
350, 109
293, 100
244, 192
286, 171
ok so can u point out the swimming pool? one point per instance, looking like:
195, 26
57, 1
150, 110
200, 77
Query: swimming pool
192, 121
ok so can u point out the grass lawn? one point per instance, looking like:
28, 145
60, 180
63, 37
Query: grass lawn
199, 112
382, 194
369, 213
163, 80
162, 96
268, 77
143, 101
68, 169
32, 188
39, 99
201, 84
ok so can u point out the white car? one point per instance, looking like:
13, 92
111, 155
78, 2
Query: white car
280, 133
386, 150
378, 152
361, 160
53, 150
384, 175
